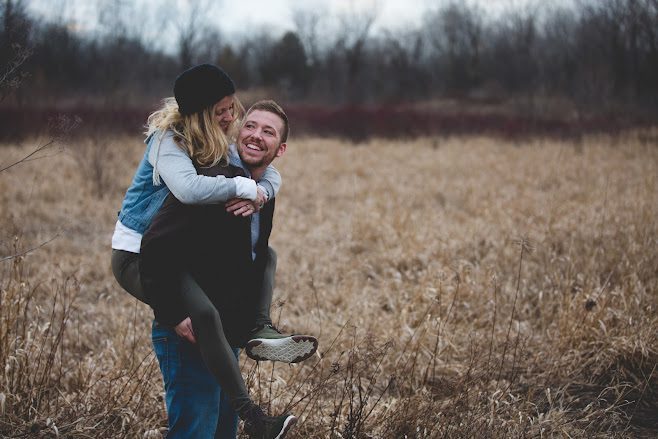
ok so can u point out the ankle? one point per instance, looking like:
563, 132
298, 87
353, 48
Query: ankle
250, 411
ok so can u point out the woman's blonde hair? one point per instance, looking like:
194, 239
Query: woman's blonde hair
198, 134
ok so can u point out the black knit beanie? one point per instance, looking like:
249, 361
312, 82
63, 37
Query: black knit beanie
200, 87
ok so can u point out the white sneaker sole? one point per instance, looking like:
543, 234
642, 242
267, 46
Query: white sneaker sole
291, 349
287, 425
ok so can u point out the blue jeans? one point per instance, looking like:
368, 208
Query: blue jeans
196, 405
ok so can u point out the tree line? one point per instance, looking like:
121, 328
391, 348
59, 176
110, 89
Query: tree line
592, 54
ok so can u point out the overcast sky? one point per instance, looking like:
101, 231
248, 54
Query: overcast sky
277, 13
391, 14
237, 16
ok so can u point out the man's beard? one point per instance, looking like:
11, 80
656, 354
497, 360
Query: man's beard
264, 161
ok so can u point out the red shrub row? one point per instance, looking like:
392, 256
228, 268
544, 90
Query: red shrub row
352, 122
359, 123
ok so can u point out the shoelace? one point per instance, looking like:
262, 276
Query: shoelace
273, 327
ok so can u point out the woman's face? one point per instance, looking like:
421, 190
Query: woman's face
224, 112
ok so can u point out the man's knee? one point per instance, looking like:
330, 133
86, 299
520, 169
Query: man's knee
194, 409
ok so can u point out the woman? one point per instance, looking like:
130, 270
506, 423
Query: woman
191, 131
205, 143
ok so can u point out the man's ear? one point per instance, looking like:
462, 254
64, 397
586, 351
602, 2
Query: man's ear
281, 150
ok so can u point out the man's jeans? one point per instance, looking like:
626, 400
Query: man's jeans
196, 406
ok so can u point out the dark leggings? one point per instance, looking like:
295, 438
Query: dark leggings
206, 322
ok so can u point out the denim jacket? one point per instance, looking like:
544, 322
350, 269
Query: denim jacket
143, 199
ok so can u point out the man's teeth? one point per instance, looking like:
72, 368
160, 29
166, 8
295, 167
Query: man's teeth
253, 147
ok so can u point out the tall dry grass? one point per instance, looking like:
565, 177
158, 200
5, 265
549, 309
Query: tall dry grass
460, 287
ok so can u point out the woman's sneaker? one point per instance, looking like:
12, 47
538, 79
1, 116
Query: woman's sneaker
267, 343
259, 426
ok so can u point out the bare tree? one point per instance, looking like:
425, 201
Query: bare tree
402, 55
191, 26
15, 47
285, 66
113, 16
354, 31
14, 74
156, 22
309, 24
558, 63
455, 31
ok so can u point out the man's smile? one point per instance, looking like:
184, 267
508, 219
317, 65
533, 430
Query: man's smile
253, 147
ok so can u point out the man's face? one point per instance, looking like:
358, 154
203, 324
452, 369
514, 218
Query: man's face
259, 139
224, 112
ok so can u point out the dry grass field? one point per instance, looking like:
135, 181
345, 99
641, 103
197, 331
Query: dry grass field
460, 288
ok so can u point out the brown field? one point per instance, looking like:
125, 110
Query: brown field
460, 287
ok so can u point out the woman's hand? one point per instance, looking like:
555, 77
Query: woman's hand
240, 206
185, 331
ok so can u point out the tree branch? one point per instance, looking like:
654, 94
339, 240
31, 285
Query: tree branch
18, 255
30, 157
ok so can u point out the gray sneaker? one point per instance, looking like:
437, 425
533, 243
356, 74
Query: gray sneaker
267, 343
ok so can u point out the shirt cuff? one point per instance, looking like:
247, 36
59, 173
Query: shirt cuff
264, 190
269, 189
245, 188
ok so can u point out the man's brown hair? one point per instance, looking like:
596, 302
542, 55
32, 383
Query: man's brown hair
272, 107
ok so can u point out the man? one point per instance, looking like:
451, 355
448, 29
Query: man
227, 256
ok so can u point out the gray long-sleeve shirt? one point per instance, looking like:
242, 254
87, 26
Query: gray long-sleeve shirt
176, 169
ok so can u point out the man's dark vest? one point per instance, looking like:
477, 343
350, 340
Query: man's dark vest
215, 248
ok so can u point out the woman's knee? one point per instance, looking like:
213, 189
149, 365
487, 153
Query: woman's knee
125, 268
271, 257
207, 318
117, 262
